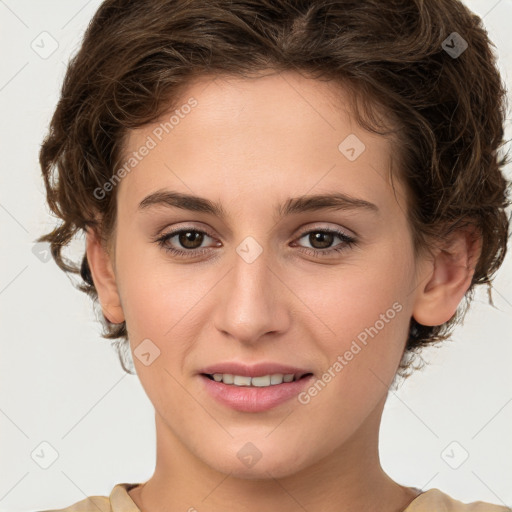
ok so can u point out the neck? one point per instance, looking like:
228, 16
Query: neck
349, 478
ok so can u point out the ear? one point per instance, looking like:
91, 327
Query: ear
446, 277
104, 279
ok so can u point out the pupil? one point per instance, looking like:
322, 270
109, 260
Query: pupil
324, 239
188, 239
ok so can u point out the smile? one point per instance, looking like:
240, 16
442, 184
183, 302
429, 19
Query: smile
260, 382
254, 394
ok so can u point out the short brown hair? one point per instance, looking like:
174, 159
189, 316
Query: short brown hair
447, 110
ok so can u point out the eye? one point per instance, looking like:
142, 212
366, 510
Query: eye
187, 242
321, 241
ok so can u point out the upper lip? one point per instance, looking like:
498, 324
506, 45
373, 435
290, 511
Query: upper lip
254, 370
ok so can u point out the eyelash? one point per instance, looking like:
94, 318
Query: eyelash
347, 243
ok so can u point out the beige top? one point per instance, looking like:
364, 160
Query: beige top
432, 500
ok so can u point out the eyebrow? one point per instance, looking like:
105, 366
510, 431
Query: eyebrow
308, 203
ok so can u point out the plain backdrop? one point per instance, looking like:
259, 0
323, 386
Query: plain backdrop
448, 426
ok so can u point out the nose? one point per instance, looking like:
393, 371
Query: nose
252, 300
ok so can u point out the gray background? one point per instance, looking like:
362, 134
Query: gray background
61, 383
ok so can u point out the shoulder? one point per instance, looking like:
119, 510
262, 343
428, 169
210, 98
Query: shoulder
118, 501
90, 504
442, 502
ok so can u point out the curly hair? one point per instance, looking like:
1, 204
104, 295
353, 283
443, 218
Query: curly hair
447, 110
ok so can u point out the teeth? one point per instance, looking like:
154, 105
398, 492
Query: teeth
227, 378
277, 378
238, 380
260, 382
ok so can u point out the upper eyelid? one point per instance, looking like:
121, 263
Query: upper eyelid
175, 231
335, 230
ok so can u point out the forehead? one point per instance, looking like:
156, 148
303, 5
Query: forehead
257, 138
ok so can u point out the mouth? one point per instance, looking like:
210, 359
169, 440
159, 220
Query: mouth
264, 389
262, 381
256, 387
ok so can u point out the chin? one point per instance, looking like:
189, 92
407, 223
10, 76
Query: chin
261, 471
249, 463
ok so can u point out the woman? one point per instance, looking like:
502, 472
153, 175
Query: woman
283, 201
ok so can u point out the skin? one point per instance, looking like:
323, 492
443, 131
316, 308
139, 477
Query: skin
250, 144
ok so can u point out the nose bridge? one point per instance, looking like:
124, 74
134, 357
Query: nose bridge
249, 304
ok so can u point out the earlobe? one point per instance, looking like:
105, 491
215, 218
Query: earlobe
447, 278
104, 278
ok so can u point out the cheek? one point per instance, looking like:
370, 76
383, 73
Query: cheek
156, 294
351, 300
365, 312
370, 329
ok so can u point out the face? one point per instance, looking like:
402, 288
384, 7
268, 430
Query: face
293, 257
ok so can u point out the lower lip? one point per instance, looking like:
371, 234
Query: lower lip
254, 399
